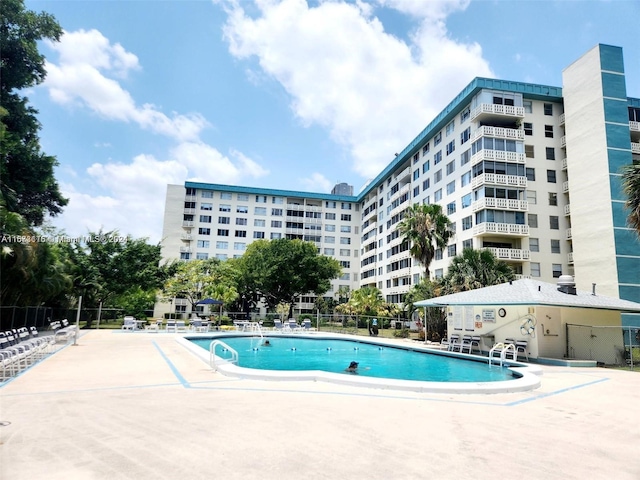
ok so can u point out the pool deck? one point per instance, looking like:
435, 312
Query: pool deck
140, 406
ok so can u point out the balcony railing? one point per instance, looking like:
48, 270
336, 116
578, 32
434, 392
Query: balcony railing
567, 209
499, 132
565, 186
187, 237
185, 250
510, 253
189, 211
189, 198
492, 109
404, 189
404, 173
187, 224
634, 126
635, 147
563, 141
568, 234
564, 163
511, 157
570, 257
501, 229
501, 203
562, 119
498, 179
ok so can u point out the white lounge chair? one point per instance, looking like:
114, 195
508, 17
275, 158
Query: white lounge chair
171, 326
181, 327
129, 323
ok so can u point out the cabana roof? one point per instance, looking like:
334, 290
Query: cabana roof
531, 292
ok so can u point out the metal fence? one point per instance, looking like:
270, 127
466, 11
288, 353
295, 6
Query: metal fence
40, 316
608, 345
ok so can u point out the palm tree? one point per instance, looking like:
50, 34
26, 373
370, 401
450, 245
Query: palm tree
426, 228
631, 184
475, 269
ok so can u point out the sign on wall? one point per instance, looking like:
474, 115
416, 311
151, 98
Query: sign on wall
488, 315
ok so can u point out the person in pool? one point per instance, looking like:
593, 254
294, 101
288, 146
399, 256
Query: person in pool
352, 368
266, 343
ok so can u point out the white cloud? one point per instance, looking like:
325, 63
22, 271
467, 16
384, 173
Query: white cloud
373, 91
316, 183
81, 78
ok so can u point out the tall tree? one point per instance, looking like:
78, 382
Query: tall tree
631, 185
426, 228
27, 180
279, 271
435, 318
476, 269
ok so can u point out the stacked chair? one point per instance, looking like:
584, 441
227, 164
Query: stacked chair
20, 348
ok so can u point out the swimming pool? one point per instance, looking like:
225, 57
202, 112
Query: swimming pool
383, 363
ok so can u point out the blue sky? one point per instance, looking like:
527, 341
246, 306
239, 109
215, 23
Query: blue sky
289, 94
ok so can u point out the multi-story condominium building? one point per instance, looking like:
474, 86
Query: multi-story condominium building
531, 172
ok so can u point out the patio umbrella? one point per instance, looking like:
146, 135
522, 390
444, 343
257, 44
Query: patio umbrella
211, 301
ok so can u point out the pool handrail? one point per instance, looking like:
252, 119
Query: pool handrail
212, 354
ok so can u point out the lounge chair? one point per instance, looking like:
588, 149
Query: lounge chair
181, 327
306, 325
475, 344
277, 325
464, 345
452, 343
292, 325
521, 349
171, 326
129, 323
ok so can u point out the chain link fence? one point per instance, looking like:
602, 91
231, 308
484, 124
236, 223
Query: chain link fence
40, 316
608, 345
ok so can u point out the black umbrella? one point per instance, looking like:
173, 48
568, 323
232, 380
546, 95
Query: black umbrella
210, 301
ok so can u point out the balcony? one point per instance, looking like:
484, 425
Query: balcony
634, 128
570, 258
499, 132
501, 203
187, 224
488, 111
185, 250
509, 253
404, 173
565, 186
635, 147
189, 198
511, 229
564, 163
568, 234
186, 237
406, 188
519, 276
567, 210
511, 157
563, 141
498, 179
562, 119
189, 211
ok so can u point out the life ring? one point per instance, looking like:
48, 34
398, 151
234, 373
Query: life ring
528, 327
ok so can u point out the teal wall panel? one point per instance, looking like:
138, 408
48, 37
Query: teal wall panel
618, 136
618, 159
628, 270
620, 214
613, 86
615, 111
627, 243
611, 58
615, 185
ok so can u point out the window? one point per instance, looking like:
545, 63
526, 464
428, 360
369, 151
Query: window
241, 221
202, 256
551, 176
206, 206
345, 217
242, 209
438, 254
437, 196
330, 216
528, 128
329, 239
465, 179
451, 187
277, 200
224, 208
437, 158
243, 197
465, 135
465, 157
466, 200
529, 151
531, 174
553, 199
345, 206
416, 158
551, 153
425, 149
329, 228
241, 233
556, 268
239, 246
345, 252
276, 223
426, 166
426, 184
555, 246
451, 250
276, 212
451, 167
451, 146
548, 109
437, 139
329, 251
548, 131
225, 196
260, 210
206, 194
276, 236
467, 223
533, 220
451, 208
416, 191
439, 272
224, 220
437, 176
222, 245
535, 269
532, 197
450, 127
330, 204
223, 233
203, 243
464, 114
259, 223
258, 235
534, 244
261, 199
345, 228
528, 106
185, 256
416, 174
467, 243
205, 218
345, 241
554, 223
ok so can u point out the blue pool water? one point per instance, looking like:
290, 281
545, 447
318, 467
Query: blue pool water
334, 355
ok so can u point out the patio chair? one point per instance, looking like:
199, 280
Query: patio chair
521, 349
181, 326
476, 341
171, 326
306, 325
465, 344
452, 343
277, 325
129, 323
292, 325
152, 327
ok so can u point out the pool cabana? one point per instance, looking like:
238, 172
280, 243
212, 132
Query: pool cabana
540, 313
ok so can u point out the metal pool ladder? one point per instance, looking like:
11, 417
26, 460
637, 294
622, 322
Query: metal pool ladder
503, 349
212, 354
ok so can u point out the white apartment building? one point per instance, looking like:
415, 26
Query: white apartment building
531, 172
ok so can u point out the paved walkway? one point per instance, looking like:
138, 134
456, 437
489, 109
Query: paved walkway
139, 406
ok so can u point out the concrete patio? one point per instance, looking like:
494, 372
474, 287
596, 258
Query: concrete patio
140, 406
